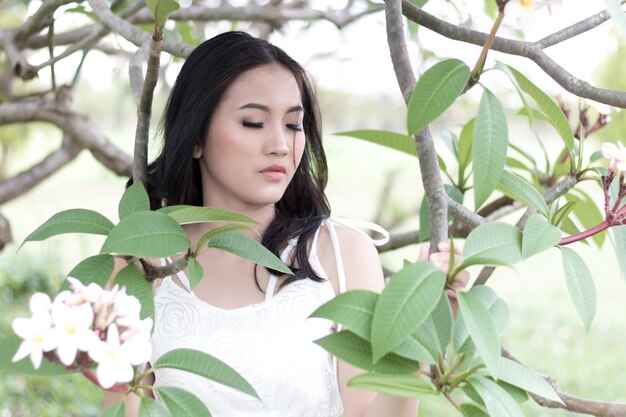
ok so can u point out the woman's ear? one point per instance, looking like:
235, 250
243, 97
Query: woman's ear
197, 151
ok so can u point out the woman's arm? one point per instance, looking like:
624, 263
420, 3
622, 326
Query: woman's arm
364, 271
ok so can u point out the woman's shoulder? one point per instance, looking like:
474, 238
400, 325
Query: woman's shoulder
354, 251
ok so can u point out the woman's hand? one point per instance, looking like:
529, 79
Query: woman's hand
441, 260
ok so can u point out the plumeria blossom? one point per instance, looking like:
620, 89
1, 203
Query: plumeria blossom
37, 334
616, 154
72, 330
113, 359
85, 325
524, 10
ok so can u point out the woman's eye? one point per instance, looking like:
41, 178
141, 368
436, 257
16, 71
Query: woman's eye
297, 128
252, 124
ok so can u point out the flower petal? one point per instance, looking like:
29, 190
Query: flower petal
106, 375
39, 302
67, 353
35, 357
23, 351
609, 150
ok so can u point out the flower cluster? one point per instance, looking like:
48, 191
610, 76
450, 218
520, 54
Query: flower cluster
84, 326
616, 154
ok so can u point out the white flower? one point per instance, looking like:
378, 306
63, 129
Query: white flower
137, 342
91, 293
523, 10
72, 330
36, 332
39, 303
113, 360
127, 309
615, 154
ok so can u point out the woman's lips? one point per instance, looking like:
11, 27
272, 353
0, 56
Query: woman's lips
274, 172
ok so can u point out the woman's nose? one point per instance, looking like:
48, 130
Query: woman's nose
278, 141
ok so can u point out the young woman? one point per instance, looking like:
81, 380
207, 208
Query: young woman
242, 132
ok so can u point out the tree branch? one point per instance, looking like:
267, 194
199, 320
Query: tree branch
550, 195
531, 50
144, 113
80, 129
26, 180
257, 13
573, 404
131, 33
427, 155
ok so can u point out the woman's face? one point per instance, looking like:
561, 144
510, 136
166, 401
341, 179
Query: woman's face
255, 140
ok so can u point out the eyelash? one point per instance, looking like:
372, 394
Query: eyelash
245, 123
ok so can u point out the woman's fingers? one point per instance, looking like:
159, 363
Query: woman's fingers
424, 252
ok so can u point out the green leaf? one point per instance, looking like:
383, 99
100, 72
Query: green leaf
435, 91
218, 231
396, 385
182, 403
589, 214
135, 199
194, 214
539, 235
8, 348
407, 300
351, 349
491, 139
397, 141
146, 234
481, 328
619, 235
195, 272
72, 221
549, 107
205, 365
353, 309
466, 138
161, 9
515, 163
148, 407
431, 338
248, 248
561, 214
519, 395
96, 269
498, 402
491, 8
525, 378
472, 410
492, 243
115, 410
580, 285
532, 114
519, 189
137, 286
614, 8
497, 309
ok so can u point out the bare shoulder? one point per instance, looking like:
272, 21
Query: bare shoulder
359, 257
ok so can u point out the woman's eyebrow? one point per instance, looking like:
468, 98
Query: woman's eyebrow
263, 107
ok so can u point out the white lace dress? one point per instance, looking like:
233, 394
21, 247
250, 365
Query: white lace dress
269, 343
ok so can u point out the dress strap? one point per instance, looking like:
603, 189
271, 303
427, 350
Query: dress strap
357, 225
181, 276
271, 285
337, 251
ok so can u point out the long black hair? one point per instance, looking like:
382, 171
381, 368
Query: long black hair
174, 176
